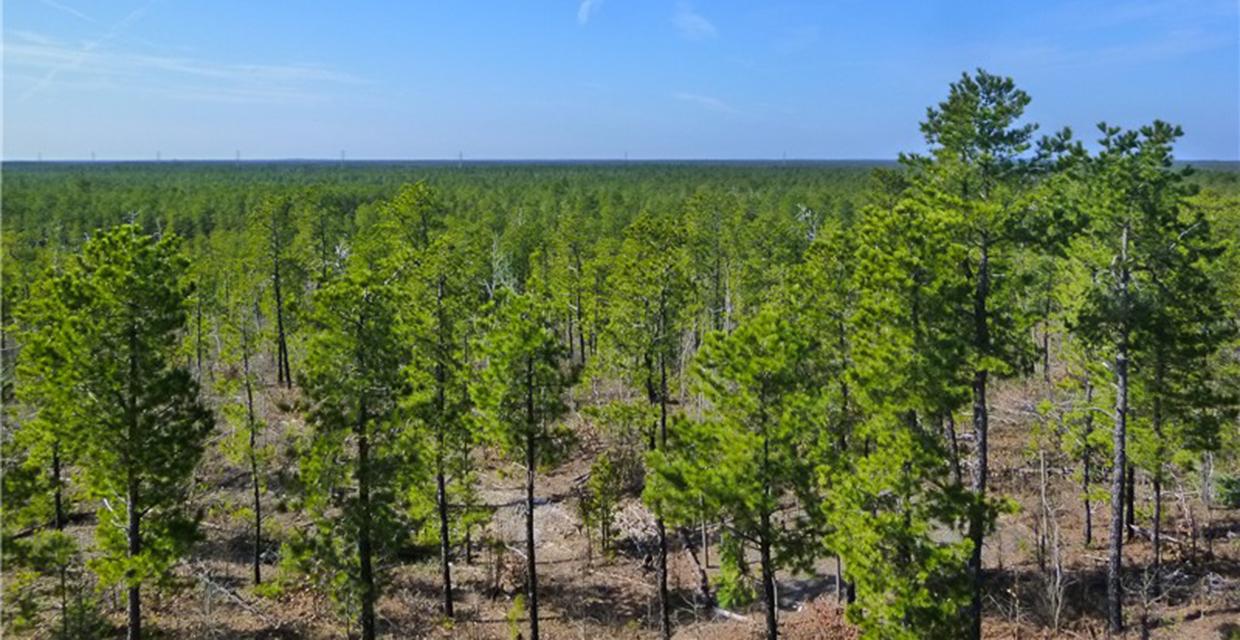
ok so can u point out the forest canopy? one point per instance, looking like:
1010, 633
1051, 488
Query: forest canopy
310, 388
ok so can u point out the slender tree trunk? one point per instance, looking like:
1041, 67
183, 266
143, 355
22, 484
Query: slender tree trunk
716, 315
366, 572
57, 484
569, 339
198, 338
957, 474
581, 324
134, 532
441, 482
1086, 460
1115, 595
254, 477
708, 599
764, 549
282, 369
445, 552
768, 579
839, 579
665, 620
531, 466
530, 563
134, 512
594, 324
981, 419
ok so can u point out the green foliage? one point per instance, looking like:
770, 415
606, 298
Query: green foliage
1147, 256
825, 315
443, 288
359, 458
520, 390
598, 502
648, 304
888, 487
1229, 491
103, 334
751, 452
735, 586
48, 568
514, 615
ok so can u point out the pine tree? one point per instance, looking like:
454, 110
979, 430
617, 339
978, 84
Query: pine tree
1142, 253
274, 227
822, 292
136, 422
361, 457
751, 456
649, 305
907, 369
241, 389
520, 396
979, 180
445, 289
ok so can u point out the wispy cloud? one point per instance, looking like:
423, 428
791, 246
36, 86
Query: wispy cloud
691, 24
176, 77
707, 102
1175, 44
29, 37
69, 10
587, 9
79, 56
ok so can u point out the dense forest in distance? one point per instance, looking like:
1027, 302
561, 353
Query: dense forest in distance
991, 391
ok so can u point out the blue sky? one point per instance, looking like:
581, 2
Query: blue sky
591, 78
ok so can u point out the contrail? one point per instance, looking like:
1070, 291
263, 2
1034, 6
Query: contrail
69, 10
87, 48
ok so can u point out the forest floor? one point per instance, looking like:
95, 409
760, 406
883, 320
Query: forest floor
585, 594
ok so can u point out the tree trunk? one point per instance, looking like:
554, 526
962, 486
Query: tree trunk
530, 564
282, 369
708, 599
134, 528
1086, 459
257, 486
134, 531
957, 475
441, 483
581, 324
254, 478
764, 547
57, 498
981, 419
366, 572
665, 620
531, 466
768, 579
198, 337
445, 554
1115, 595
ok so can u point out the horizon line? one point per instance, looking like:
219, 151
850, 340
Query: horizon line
449, 160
